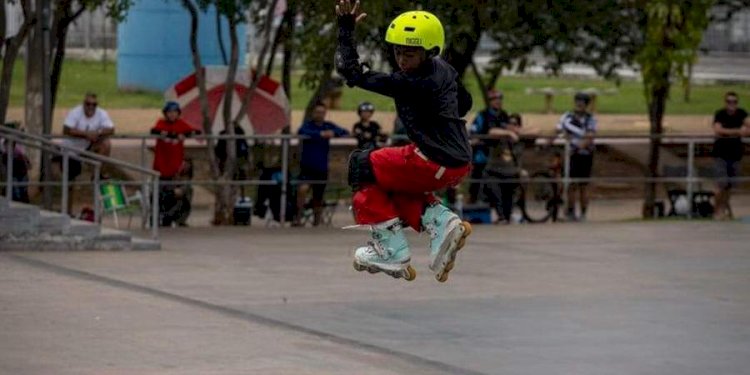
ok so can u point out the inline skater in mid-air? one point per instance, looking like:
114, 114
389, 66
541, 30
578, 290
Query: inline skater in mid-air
394, 186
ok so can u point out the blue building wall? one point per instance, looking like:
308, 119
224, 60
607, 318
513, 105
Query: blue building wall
154, 44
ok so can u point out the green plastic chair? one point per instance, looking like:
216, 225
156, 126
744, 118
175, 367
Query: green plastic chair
115, 200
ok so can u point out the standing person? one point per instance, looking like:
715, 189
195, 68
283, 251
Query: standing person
504, 165
366, 131
579, 127
491, 117
169, 161
730, 124
314, 161
393, 186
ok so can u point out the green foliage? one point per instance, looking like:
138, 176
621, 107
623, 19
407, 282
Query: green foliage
115, 9
674, 30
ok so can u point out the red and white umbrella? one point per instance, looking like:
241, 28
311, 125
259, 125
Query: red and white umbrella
268, 110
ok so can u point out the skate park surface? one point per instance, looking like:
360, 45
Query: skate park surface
594, 298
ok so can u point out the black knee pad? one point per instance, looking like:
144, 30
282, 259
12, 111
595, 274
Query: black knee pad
360, 169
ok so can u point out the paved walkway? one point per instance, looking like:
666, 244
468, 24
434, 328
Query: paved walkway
629, 298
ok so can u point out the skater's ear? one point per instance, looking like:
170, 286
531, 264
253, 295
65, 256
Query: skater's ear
432, 53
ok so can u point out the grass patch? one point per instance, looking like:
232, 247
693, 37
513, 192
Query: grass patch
81, 76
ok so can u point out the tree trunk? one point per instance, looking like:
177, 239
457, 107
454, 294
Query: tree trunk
656, 107
242, 113
688, 83
60, 28
223, 214
460, 51
200, 75
10, 54
480, 83
319, 92
287, 64
220, 38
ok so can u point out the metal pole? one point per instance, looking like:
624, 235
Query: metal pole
97, 194
284, 177
45, 10
65, 171
9, 148
155, 208
143, 152
145, 194
566, 172
690, 174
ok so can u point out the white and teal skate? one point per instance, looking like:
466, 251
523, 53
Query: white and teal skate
388, 252
447, 236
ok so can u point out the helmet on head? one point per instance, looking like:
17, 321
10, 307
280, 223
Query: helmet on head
365, 107
583, 97
416, 28
171, 106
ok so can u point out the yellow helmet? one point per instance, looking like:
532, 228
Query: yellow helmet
416, 28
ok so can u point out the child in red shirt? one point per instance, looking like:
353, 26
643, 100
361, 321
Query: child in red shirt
170, 149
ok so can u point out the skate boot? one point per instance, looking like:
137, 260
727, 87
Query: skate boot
388, 252
447, 236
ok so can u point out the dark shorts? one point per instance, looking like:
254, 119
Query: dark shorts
319, 189
74, 167
580, 166
726, 170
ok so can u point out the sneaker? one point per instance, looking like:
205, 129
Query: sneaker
447, 236
388, 252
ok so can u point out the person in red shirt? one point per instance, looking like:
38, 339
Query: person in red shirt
169, 158
170, 148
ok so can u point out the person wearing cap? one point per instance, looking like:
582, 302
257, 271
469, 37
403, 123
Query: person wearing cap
169, 161
494, 116
579, 127
367, 132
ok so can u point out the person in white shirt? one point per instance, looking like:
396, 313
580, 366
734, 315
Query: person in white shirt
88, 128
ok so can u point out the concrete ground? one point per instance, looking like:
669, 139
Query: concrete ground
596, 298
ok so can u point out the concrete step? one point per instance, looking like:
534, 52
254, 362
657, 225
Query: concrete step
19, 219
83, 229
53, 223
144, 244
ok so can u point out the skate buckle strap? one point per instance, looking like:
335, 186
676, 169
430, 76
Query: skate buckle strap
440, 172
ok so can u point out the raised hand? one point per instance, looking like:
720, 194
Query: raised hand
345, 7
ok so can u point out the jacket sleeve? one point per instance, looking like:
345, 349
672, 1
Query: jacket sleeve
348, 65
308, 131
339, 131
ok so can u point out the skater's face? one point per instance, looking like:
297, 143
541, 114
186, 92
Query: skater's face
89, 105
732, 102
409, 58
172, 116
319, 114
580, 106
496, 102
365, 115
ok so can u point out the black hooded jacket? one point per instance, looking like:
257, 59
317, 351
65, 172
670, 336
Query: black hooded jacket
430, 102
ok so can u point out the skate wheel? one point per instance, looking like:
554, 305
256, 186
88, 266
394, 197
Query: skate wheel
359, 267
372, 270
409, 274
467, 233
442, 277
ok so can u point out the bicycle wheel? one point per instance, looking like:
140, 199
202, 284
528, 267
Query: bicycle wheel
539, 197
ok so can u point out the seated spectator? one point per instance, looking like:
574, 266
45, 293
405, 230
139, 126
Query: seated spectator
314, 161
169, 161
21, 167
730, 124
86, 127
504, 164
368, 133
242, 151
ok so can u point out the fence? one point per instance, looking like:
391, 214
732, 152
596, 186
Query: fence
286, 142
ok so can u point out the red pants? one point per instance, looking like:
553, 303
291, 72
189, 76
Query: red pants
405, 182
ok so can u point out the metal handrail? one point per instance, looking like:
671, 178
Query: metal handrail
67, 151
89, 154
12, 139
